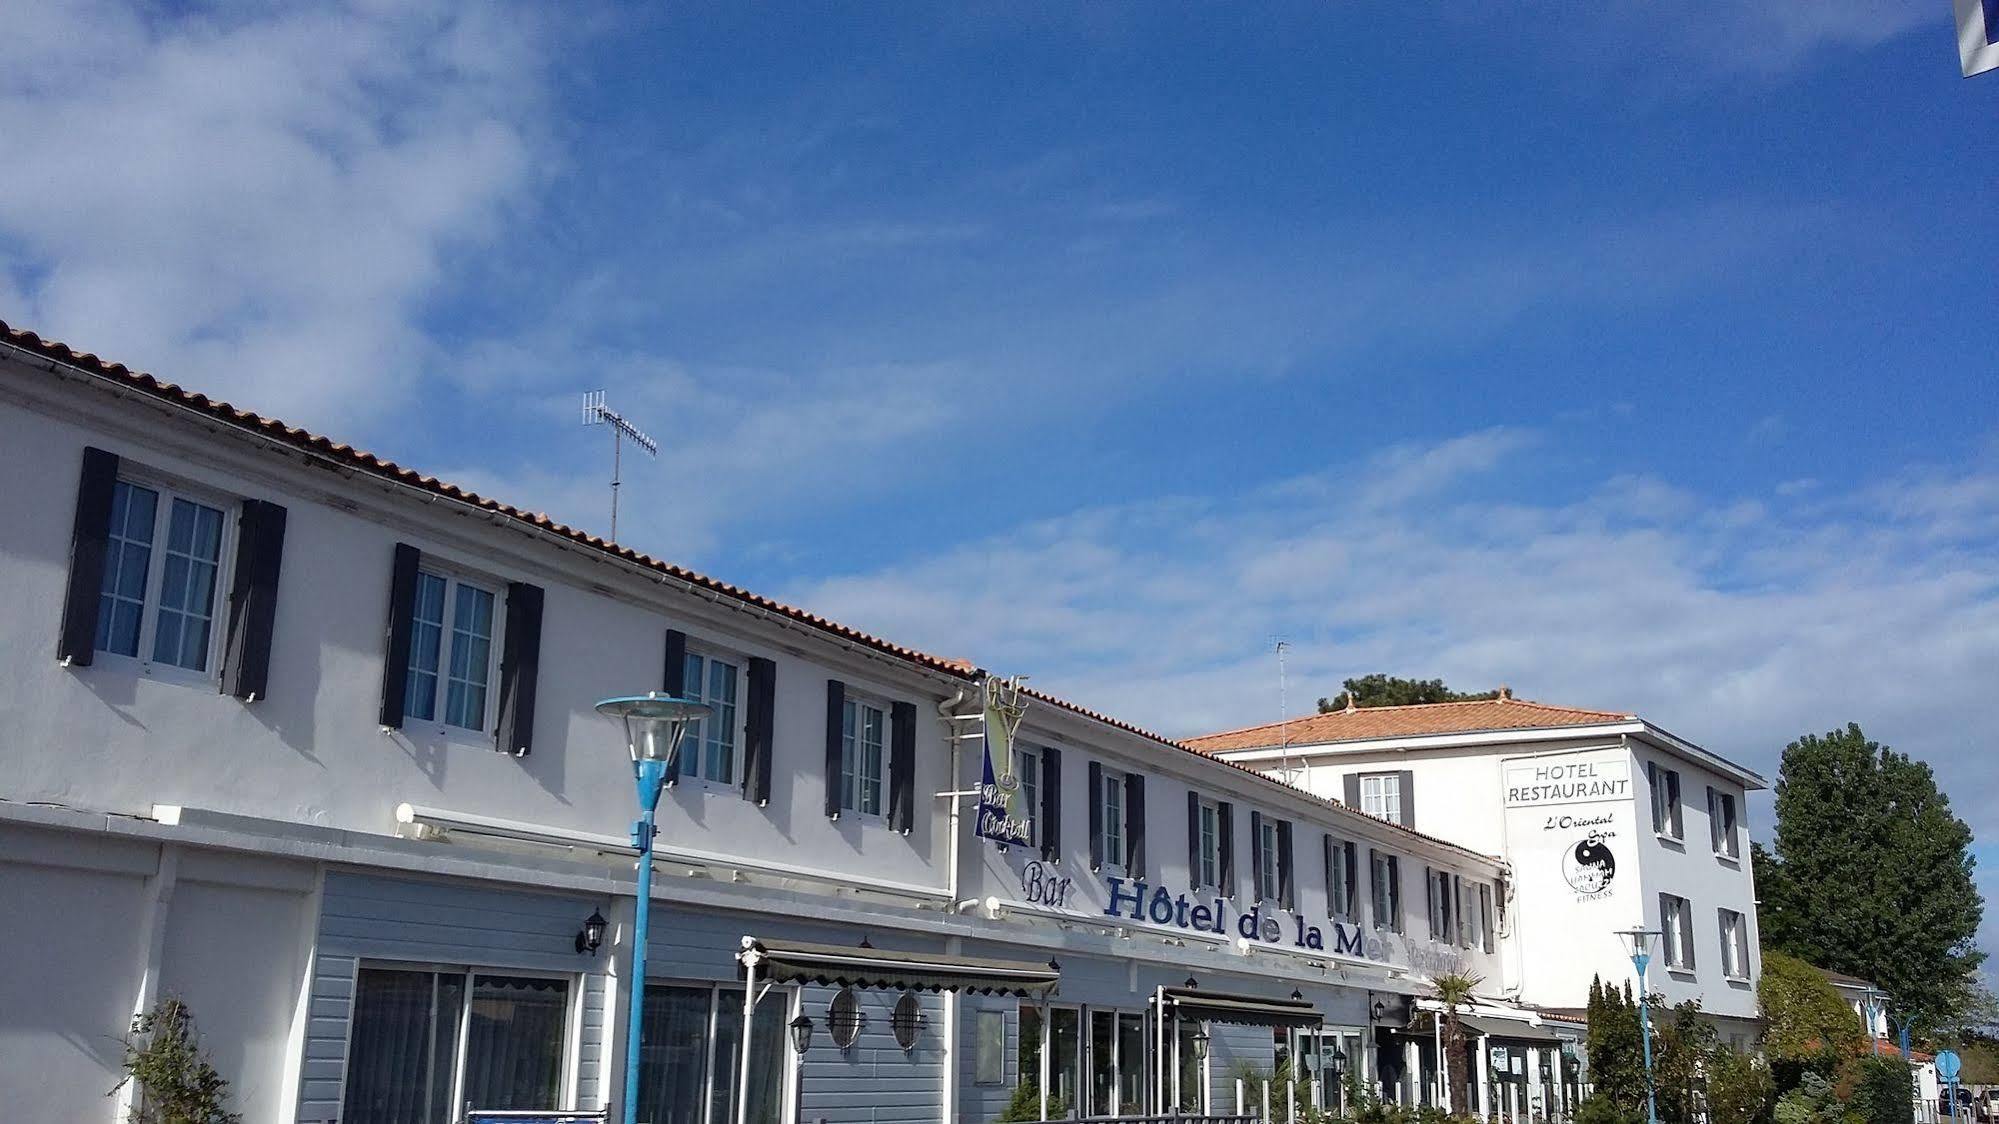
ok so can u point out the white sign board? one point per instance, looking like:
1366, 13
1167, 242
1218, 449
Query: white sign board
1978, 35
1548, 781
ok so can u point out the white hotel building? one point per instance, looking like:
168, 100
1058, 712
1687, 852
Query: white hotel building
307, 740
1606, 822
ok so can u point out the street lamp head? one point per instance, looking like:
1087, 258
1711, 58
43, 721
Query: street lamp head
1640, 940
654, 722
1338, 1061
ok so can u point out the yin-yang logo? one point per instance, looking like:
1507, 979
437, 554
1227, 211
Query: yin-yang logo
1589, 866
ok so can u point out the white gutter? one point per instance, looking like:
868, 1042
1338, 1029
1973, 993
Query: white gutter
471, 823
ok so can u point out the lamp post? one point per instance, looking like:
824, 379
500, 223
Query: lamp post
1641, 955
654, 723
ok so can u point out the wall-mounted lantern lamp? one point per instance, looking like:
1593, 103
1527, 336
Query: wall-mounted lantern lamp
801, 1033
591, 935
1200, 1045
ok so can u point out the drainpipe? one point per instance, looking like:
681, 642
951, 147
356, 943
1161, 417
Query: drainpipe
944, 710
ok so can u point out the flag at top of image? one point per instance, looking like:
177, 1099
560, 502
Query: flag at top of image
1978, 35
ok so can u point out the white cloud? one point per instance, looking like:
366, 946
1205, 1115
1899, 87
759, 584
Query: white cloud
254, 202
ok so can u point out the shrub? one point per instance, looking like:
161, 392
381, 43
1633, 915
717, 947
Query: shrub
1599, 1108
1882, 1095
177, 1085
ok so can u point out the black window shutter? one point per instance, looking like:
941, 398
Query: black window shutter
1395, 891
1352, 786
1406, 784
902, 766
88, 538
1255, 855
1485, 913
396, 656
1193, 839
1332, 856
1430, 899
1096, 816
1287, 881
760, 729
1134, 824
520, 668
1353, 873
1458, 911
836, 706
253, 600
1050, 827
673, 681
1225, 823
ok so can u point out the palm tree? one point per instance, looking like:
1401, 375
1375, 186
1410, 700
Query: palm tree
1454, 990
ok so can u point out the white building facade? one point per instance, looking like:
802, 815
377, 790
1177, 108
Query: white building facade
1607, 823
307, 741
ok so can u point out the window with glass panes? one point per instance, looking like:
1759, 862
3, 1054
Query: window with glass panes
1677, 920
1721, 824
692, 1047
708, 749
1210, 874
863, 734
451, 652
1385, 880
1381, 796
162, 562
1112, 796
423, 1042
1266, 860
1734, 945
1027, 798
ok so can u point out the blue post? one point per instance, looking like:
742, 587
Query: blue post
651, 777
1639, 960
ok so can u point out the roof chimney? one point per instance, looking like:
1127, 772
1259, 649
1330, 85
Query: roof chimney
1505, 693
1350, 701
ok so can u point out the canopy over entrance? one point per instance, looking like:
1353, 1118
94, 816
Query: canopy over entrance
1246, 1010
1511, 1030
786, 961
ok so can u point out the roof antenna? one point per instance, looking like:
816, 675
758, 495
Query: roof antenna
1283, 712
596, 413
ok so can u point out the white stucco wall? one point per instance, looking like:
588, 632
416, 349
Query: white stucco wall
1691, 869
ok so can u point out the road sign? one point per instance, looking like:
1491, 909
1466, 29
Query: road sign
1949, 1065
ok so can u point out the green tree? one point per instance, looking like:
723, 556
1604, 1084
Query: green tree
1616, 1050
1389, 690
1882, 1093
1871, 875
1739, 1089
1808, 1025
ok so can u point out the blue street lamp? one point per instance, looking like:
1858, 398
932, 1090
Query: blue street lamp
1641, 955
1877, 1012
654, 725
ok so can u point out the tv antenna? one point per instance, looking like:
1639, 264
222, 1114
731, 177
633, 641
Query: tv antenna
1283, 713
596, 413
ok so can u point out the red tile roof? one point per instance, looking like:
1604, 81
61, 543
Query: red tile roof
316, 445
1369, 722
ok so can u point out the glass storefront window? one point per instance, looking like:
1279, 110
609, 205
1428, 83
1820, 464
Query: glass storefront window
1065, 1060
405, 1065
692, 1047
1192, 1087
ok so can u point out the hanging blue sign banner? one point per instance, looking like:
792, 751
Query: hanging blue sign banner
999, 785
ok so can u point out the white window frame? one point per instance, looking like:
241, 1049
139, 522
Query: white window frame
1676, 925
1734, 944
572, 1025
1027, 797
1387, 788
1115, 830
854, 780
167, 490
455, 576
1269, 875
709, 656
1668, 802
1209, 875
1725, 831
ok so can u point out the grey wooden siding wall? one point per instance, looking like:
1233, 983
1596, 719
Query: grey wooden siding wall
370, 917
1231, 1048
978, 1103
874, 1081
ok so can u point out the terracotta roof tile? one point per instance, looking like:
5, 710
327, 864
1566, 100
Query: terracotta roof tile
1369, 722
367, 462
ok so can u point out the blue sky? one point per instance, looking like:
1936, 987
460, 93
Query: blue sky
1636, 357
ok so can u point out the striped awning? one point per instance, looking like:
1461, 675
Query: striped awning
1245, 1010
787, 961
